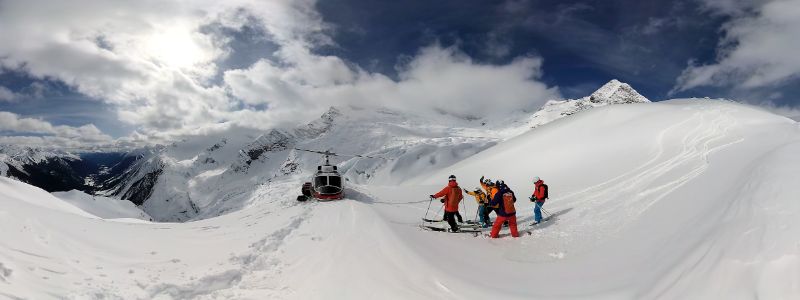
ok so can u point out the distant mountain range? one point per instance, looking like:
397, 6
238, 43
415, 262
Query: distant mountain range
209, 175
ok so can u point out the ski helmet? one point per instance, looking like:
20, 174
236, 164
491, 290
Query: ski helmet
451, 178
536, 179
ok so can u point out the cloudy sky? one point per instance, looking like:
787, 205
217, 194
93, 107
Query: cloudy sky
95, 72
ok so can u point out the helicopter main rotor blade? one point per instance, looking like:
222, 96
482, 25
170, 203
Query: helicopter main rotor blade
337, 154
316, 151
357, 155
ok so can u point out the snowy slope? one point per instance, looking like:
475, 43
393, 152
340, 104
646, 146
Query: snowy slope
684, 199
103, 207
687, 198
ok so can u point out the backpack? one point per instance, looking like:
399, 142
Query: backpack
545, 191
508, 203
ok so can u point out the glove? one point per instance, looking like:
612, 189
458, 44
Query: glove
441, 200
533, 199
432, 197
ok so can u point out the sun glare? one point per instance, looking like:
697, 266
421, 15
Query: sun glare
177, 48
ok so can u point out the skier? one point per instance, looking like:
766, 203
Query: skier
480, 197
488, 186
505, 199
538, 198
451, 196
491, 190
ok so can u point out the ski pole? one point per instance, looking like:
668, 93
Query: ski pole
545, 211
429, 207
542, 209
465, 208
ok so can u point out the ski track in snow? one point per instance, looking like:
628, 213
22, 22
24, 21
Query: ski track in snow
638, 190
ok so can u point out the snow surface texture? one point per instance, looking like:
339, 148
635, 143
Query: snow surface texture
684, 199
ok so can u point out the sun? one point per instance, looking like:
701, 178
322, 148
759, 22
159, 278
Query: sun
179, 47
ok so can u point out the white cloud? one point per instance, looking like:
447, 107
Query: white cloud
437, 80
153, 61
759, 48
150, 58
7, 95
49, 135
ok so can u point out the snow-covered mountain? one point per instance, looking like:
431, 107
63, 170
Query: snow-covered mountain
58, 170
208, 176
50, 169
680, 199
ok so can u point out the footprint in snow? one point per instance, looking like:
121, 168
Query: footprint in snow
5, 272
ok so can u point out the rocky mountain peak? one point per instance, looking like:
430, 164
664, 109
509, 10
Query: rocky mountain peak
320, 125
617, 92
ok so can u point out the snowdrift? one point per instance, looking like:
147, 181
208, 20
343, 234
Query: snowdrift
684, 199
103, 207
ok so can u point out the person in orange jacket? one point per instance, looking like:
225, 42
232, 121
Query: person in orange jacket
491, 191
489, 187
451, 196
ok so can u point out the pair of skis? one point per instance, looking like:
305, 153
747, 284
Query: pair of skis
475, 228
540, 222
467, 227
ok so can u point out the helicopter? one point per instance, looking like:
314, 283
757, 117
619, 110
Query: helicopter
326, 183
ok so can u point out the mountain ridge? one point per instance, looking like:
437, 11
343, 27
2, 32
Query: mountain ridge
177, 182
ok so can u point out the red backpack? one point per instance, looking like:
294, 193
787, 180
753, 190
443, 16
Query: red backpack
508, 203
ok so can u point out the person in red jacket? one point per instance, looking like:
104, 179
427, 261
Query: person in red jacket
451, 195
538, 198
505, 199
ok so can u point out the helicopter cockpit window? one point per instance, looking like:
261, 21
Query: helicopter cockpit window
335, 181
321, 181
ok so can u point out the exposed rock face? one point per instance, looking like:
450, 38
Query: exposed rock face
616, 92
